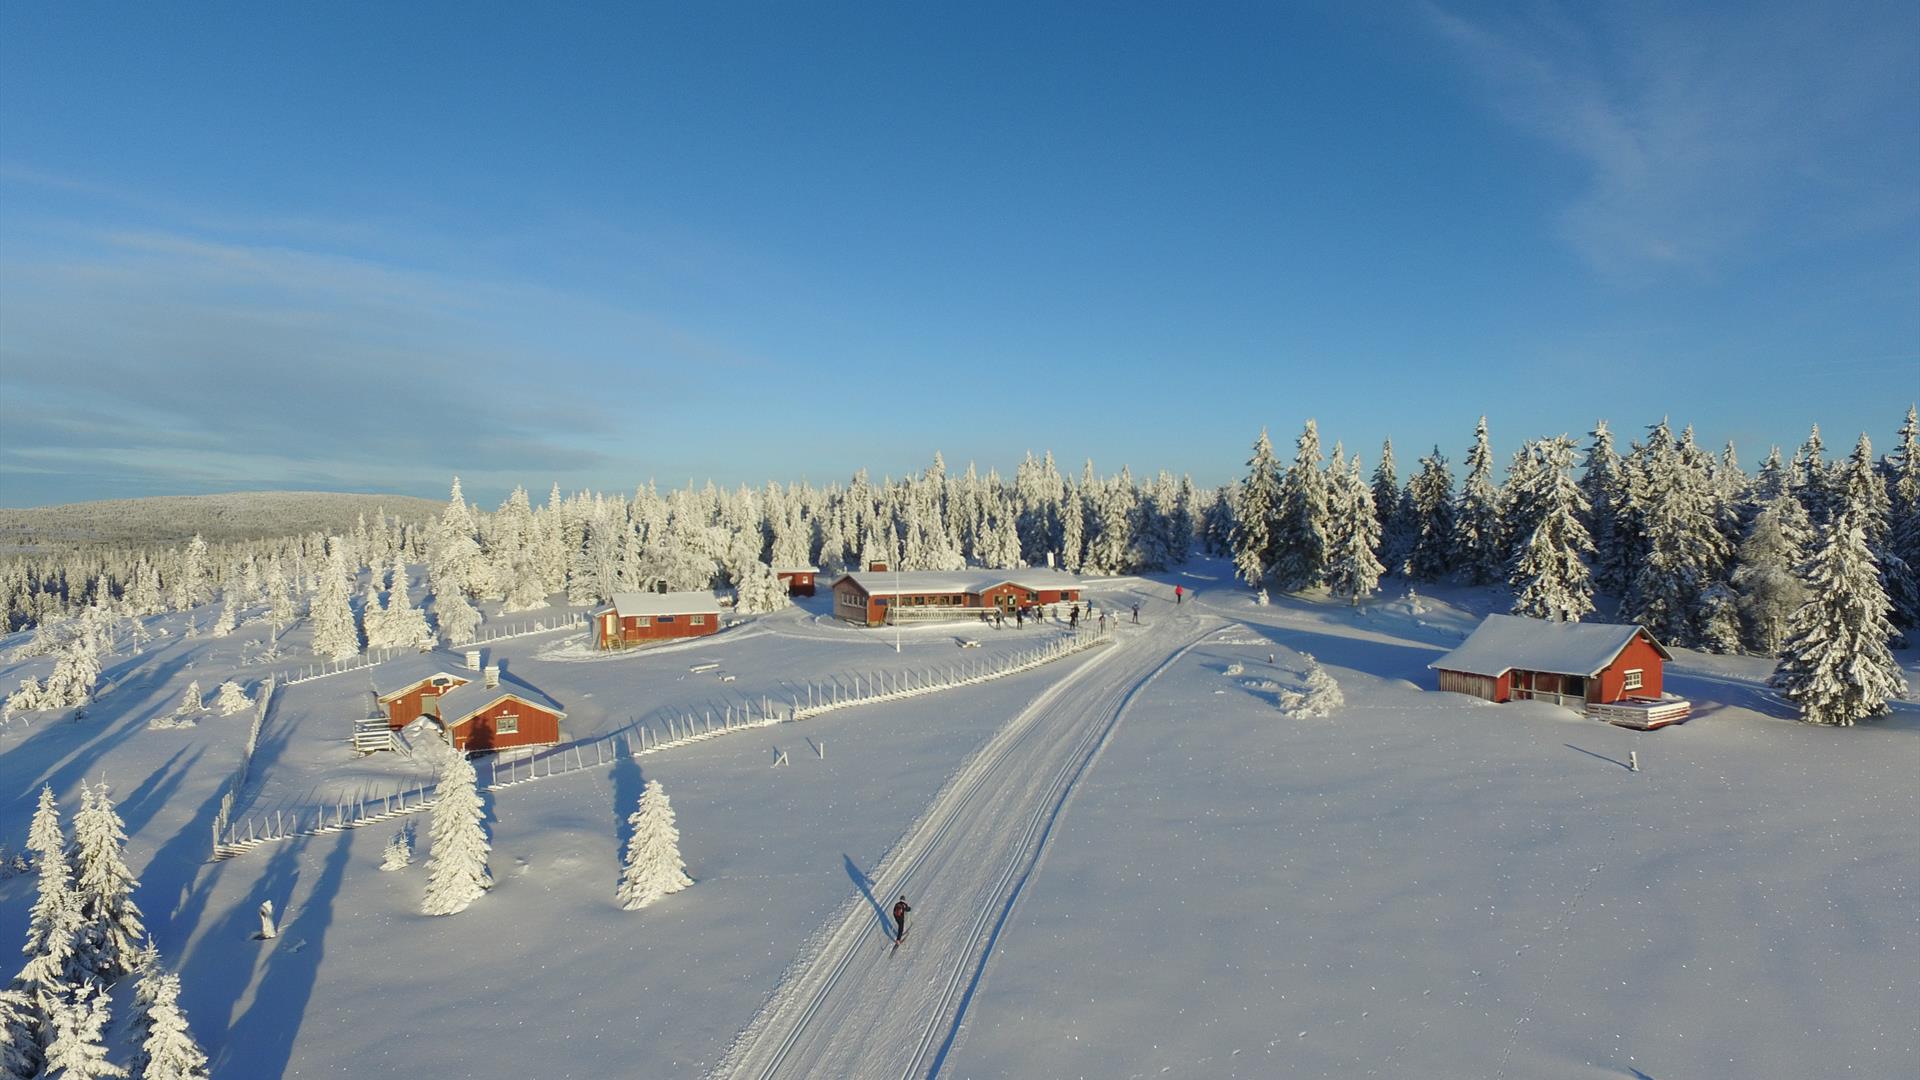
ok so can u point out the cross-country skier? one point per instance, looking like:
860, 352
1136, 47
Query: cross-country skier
900, 910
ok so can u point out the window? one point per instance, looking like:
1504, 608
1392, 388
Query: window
643, 620
697, 620
666, 618
1631, 680
506, 725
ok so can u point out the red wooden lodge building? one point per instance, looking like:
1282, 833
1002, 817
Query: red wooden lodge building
477, 711
636, 618
867, 597
1612, 671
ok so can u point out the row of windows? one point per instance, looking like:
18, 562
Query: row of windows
647, 620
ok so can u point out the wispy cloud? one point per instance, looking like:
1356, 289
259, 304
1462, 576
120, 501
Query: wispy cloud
1701, 132
153, 358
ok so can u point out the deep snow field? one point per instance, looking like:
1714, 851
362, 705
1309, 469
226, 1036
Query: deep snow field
1138, 866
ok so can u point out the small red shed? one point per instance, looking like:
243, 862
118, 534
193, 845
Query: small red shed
1587, 665
635, 618
798, 579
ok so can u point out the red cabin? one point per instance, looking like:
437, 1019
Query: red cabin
408, 702
798, 579
479, 717
635, 618
1599, 667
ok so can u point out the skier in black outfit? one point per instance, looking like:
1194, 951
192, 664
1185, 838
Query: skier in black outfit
900, 910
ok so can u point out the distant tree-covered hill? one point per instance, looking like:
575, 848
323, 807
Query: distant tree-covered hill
241, 515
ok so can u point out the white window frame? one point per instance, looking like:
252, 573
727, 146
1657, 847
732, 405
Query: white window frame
642, 620
506, 724
1633, 678
697, 620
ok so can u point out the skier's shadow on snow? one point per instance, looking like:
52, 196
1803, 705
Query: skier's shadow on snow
1602, 757
865, 885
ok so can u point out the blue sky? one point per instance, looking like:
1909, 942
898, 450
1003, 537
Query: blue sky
364, 247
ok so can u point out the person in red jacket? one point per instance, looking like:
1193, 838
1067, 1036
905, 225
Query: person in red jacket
900, 910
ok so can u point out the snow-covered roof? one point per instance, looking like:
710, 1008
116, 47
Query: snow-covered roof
1037, 578
796, 569
1505, 642
406, 672
888, 583
911, 582
461, 702
628, 604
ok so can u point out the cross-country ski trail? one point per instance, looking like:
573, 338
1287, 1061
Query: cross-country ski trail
847, 1008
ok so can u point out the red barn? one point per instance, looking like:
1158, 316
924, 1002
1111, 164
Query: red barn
635, 618
1610, 670
479, 717
799, 579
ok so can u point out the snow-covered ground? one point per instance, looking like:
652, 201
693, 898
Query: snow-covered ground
1129, 862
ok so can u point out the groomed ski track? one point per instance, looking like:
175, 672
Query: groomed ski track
852, 1006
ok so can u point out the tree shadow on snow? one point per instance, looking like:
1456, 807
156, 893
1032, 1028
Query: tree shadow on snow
628, 782
261, 1040
1385, 659
139, 805
865, 884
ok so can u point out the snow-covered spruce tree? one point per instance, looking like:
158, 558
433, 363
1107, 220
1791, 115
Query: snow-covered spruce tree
335, 636
1604, 485
1353, 568
1549, 576
399, 851
459, 620
1686, 552
1811, 479
653, 865
1301, 521
229, 616
111, 926
457, 866
19, 1040
279, 597
192, 700
1903, 509
189, 585
78, 1050
1835, 664
1766, 571
55, 920
231, 698
1390, 508
1216, 524
168, 1052
1430, 520
404, 626
1478, 548
1254, 514
1861, 489
760, 590
1319, 696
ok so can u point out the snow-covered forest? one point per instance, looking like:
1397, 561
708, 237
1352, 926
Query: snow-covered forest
1663, 532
